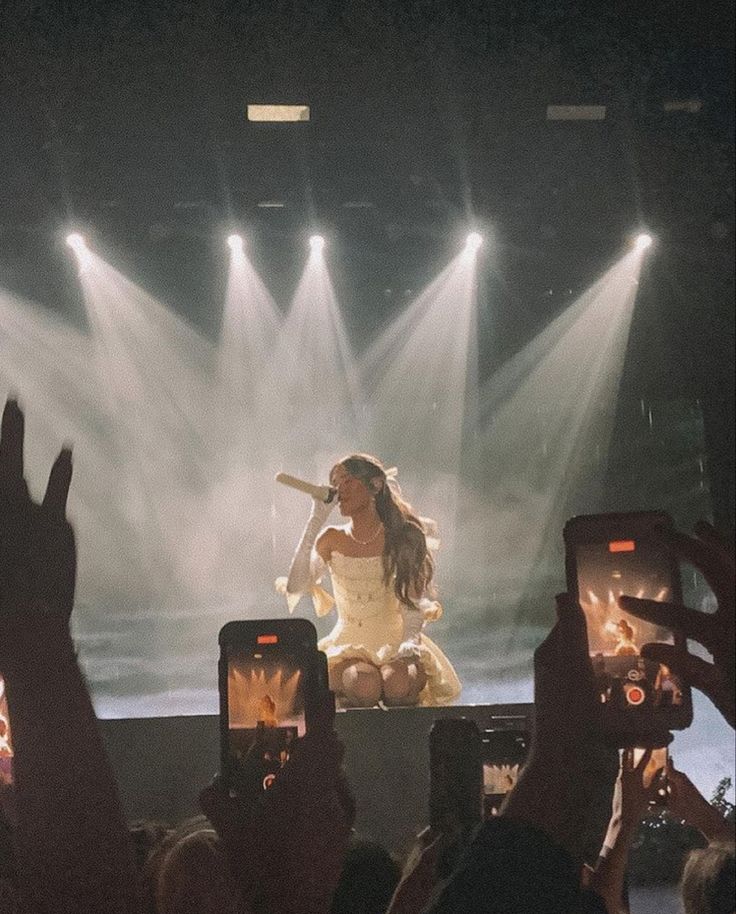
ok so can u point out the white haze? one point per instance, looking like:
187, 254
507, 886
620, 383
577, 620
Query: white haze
177, 440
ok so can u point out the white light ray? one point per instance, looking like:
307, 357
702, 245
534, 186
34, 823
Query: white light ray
52, 368
313, 374
546, 421
416, 378
248, 339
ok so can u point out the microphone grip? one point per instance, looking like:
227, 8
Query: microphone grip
326, 494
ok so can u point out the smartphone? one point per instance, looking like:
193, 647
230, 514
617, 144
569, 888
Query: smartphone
455, 775
273, 680
505, 749
606, 556
656, 769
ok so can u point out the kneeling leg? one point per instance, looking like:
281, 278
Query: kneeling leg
361, 685
403, 680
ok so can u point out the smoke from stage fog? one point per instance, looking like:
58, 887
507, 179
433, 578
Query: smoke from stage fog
177, 440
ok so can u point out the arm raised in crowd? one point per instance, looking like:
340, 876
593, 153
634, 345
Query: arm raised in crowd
71, 842
631, 801
529, 858
286, 846
568, 760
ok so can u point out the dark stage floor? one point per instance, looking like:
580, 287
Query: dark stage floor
162, 763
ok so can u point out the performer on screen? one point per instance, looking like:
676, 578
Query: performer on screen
381, 570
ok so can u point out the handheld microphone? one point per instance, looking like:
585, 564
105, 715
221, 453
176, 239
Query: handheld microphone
319, 493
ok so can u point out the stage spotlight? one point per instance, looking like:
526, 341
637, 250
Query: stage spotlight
473, 241
644, 241
317, 243
235, 242
76, 242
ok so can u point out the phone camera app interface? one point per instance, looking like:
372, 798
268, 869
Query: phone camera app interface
265, 709
606, 571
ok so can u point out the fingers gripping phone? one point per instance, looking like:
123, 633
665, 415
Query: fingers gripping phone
607, 556
655, 776
273, 681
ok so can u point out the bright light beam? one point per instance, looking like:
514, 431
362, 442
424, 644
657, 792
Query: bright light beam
53, 368
643, 241
547, 417
78, 244
76, 241
154, 380
248, 338
194, 499
313, 372
416, 377
313, 396
473, 242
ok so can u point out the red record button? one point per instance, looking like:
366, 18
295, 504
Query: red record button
635, 695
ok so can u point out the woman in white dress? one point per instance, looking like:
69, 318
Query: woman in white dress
381, 571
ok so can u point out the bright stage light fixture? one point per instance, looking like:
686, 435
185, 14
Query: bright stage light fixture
235, 242
317, 243
473, 241
76, 241
278, 113
644, 241
576, 112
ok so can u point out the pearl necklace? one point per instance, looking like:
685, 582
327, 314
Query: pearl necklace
368, 541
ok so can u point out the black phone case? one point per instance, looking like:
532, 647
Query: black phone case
456, 773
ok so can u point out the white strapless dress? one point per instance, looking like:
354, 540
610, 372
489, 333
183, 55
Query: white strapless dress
372, 626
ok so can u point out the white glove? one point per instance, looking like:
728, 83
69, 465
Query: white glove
307, 566
413, 625
415, 619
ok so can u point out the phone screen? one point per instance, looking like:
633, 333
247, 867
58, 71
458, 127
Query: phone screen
616, 555
6, 745
504, 754
631, 567
265, 706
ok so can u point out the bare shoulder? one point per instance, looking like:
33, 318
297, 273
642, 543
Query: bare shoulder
329, 540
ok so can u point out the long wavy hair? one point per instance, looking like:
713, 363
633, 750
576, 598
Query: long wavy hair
406, 558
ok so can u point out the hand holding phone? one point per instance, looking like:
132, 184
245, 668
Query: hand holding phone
709, 552
654, 777
641, 785
286, 845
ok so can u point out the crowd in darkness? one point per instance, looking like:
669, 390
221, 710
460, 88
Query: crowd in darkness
65, 847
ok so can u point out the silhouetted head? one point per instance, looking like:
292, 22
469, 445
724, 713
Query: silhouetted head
368, 881
709, 881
